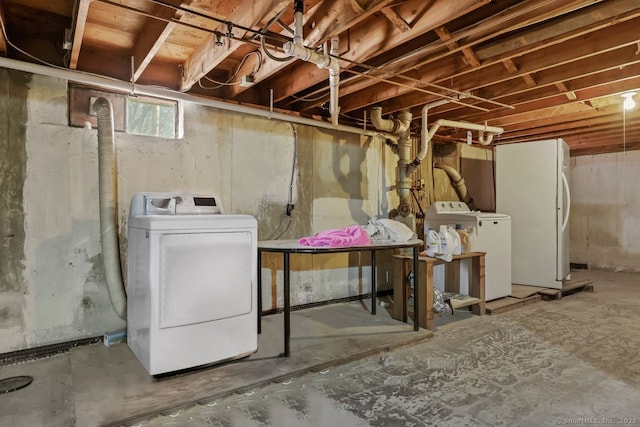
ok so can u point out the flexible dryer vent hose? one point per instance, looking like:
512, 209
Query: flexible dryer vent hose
108, 191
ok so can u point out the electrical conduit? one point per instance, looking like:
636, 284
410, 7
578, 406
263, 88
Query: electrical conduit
107, 176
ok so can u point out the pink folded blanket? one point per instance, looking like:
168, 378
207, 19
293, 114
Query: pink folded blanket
353, 235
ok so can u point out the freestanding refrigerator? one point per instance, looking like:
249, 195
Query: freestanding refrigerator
532, 186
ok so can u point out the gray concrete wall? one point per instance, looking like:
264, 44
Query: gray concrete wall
13, 161
605, 211
52, 286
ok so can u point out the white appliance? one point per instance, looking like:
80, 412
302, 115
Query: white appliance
491, 234
532, 185
192, 283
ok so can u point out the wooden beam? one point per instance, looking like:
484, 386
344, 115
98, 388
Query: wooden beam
612, 146
575, 25
3, 42
208, 55
445, 36
510, 66
357, 8
328, 20
396, 19
375, 38
587, 55
331, 18
571, 96
531, 123
529, 80
78, 31
118, 66
153, 35
596, 123
504, 22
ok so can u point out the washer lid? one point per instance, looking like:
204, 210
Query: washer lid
454, 210
486, 215
192, 223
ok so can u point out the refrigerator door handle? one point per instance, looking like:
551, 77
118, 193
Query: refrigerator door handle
568, 209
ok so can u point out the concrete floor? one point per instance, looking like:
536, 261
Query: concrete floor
572, 361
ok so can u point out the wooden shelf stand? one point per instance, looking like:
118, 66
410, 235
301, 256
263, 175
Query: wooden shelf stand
402, 267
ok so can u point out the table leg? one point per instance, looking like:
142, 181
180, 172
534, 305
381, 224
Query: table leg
428, 288
373, 282
416, 311
477, 283
287, 306
259, 291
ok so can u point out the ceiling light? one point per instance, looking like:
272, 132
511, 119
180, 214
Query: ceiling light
629, 103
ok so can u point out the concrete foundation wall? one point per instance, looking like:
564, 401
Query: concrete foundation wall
605, 211
52, 286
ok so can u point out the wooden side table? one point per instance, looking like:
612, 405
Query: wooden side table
424, 279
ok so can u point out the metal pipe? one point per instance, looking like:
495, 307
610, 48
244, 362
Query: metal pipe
116, 85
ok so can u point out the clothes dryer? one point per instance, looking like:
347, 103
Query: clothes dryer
192, 282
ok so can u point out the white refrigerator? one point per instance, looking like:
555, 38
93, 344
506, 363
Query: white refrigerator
532, 186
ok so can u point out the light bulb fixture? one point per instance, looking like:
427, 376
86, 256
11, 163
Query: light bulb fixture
629, 103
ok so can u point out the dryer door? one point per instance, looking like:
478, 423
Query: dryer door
205, 276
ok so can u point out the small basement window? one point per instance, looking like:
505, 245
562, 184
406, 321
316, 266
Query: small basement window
154, 117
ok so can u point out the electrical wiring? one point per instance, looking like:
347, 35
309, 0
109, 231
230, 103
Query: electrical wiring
272, 56
355, 119
229, 82
289, 209
302, 99
10, 43
219, 84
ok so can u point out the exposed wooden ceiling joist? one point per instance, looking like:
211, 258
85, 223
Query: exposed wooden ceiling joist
211, 53
365, 41
3, 42
451, 68
78, 31
560, 67
154, 34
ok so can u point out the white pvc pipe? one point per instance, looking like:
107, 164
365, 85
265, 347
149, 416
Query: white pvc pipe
492, 130
401, 127
334, 81
388, 125
297, 31
116, 85
424, 134
299, 50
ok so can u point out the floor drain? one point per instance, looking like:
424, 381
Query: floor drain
7, 385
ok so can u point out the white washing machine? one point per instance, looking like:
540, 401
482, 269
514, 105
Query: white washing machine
192, 282
492, 234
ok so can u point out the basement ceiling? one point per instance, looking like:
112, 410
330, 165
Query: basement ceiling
537, 68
